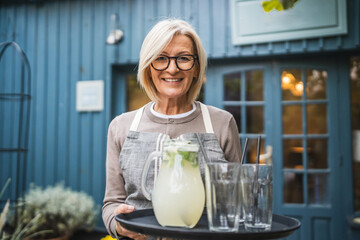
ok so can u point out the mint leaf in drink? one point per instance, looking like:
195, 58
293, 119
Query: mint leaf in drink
191, 157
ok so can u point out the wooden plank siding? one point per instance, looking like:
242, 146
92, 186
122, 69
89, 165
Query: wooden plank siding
65, 42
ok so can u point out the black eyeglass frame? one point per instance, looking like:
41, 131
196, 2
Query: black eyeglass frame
175, 58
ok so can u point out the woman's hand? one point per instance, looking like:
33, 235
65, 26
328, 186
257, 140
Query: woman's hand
124, 208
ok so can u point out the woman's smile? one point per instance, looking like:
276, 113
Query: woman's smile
172, 79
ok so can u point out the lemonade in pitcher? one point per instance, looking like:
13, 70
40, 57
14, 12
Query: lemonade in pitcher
178, 196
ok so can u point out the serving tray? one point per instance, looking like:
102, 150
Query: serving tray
144, 222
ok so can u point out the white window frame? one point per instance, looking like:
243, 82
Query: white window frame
307, 19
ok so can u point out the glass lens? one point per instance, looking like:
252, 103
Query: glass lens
292, 153
232, 86
254, 85
292, 119
293, 187
318, 188
316, 84
161, 62
185, 62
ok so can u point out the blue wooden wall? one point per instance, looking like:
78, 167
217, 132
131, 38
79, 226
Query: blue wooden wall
65, 43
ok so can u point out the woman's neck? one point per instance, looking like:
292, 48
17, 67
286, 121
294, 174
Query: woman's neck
172, 107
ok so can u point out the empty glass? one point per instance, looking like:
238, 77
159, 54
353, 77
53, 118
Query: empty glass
257, 196
222, 182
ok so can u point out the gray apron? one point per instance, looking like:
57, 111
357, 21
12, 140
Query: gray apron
138, 145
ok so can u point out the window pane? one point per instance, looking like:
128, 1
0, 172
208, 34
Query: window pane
254, 85
318, 189
255, 119
316, 118
292, 153
291, 84
236, 112
135, 96
292, 119
232, 85
293, 187
317, 153
316, 84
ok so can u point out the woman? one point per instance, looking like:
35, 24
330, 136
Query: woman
171, 70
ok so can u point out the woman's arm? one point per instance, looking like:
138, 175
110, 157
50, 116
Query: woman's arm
232, 147
115, 187
227, 133
115, 193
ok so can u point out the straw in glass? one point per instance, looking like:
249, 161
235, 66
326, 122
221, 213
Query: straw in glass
256, 181
244, 151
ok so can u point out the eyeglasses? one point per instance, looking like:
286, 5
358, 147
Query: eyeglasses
183, 62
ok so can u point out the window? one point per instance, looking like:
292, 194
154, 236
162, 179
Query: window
305, 136
244, 98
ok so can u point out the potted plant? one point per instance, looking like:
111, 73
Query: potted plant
22, 229
56, 212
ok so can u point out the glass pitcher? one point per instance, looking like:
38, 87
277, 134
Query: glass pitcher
178, 195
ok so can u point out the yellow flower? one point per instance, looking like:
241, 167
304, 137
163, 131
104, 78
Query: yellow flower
108, 237
279, 5
271, 5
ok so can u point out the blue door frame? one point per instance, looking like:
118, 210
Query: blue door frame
318, 221
322, 221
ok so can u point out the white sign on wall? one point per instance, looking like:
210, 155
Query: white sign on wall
307, 19
90, 95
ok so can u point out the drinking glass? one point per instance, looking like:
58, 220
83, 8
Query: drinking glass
257, 196
222, 196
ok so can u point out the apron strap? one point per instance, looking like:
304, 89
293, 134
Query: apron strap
136, 121
206, 117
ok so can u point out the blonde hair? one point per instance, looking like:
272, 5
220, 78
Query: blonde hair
156, 41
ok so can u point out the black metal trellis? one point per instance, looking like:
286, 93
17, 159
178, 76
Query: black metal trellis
23, 97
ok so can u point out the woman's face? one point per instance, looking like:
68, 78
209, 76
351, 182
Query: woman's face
173, 83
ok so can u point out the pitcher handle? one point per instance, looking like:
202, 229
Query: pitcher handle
145, 172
